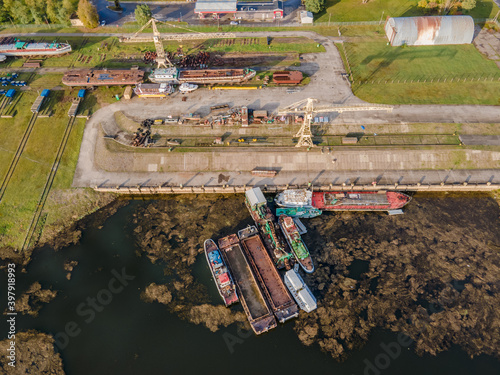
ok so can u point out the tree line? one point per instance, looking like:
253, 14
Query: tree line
37, 11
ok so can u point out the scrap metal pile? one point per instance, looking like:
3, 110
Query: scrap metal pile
142, 137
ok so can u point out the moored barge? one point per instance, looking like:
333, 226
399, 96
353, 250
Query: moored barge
280, 301
222, 276
18, 48
208, 76
268, 227
299, 248
343, 200
260, 317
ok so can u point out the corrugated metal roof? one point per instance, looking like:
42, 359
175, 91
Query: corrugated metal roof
215, 6
432, 30
255, 196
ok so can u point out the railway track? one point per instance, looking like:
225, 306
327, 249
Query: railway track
48, 185
18, 154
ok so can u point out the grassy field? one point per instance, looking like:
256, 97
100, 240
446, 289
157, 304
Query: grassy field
375, 10
25, 187
403, 75
109, 52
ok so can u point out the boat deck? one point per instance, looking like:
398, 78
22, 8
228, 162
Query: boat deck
251, 297
279, 299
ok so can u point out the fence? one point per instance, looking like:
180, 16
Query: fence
473, 77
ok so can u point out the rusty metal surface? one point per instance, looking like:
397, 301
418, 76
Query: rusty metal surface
102, 77
432, 30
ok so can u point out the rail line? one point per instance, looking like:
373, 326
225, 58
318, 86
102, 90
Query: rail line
48, 185
17, 155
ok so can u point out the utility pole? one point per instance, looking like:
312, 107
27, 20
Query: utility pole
382, 16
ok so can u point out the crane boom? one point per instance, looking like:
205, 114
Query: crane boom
306, 106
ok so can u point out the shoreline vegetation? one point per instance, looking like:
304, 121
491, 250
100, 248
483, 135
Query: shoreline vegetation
419, 273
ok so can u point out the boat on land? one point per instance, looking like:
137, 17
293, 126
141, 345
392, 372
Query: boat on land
153, 90
18, 48
300, 291
299, 212
268, 277
267, 224
254, 304
102, 77
201, 76
299, 248
220, 272
186, 88
343, 200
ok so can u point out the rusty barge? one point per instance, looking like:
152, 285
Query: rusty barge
103, 77
267, 224
260, 317
280, 301
208, 76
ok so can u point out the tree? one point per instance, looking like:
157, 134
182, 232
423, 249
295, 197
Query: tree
468, 4
87, 13
315, 6
142, 14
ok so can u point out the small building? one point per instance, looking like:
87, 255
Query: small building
431, 30
260, 11
306, 17
128, 92
214, 7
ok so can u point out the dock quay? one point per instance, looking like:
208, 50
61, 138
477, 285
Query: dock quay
269, 279
241, 189
260, 317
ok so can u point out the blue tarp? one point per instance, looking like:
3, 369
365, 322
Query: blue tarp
214, 257
10, 93
45, 93
81, 93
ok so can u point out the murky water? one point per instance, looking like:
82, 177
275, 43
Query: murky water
122, 334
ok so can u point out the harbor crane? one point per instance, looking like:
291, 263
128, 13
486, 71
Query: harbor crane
161, 57
307, 107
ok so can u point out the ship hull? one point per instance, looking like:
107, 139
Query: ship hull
229, 297
299, 212
36, 52
209, 76
360, 201
289, 241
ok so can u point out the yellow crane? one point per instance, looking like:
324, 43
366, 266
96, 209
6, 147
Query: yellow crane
307, 107
161, 57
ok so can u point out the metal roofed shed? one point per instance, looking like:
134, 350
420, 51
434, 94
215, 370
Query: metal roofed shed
431, 30
215, 6
306, 17
255, 197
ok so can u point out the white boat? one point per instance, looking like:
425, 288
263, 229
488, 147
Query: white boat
294, 198
300, 292
19, 48
187, 87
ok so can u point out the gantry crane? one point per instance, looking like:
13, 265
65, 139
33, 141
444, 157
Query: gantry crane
307, 107
161, 57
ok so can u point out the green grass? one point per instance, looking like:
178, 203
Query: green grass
373, 64
376, 10
26, 185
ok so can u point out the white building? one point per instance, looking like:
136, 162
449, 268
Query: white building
306, 17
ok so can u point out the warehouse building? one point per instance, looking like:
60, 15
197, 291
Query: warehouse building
215, 7
432, 30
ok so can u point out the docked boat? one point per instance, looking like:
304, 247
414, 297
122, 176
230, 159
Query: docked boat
299, 212
300, 291
168, 75
19, 48
186, 88
102, 77
343, 200
153, 90
208, 76
220, 272
299, 248
268, 227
